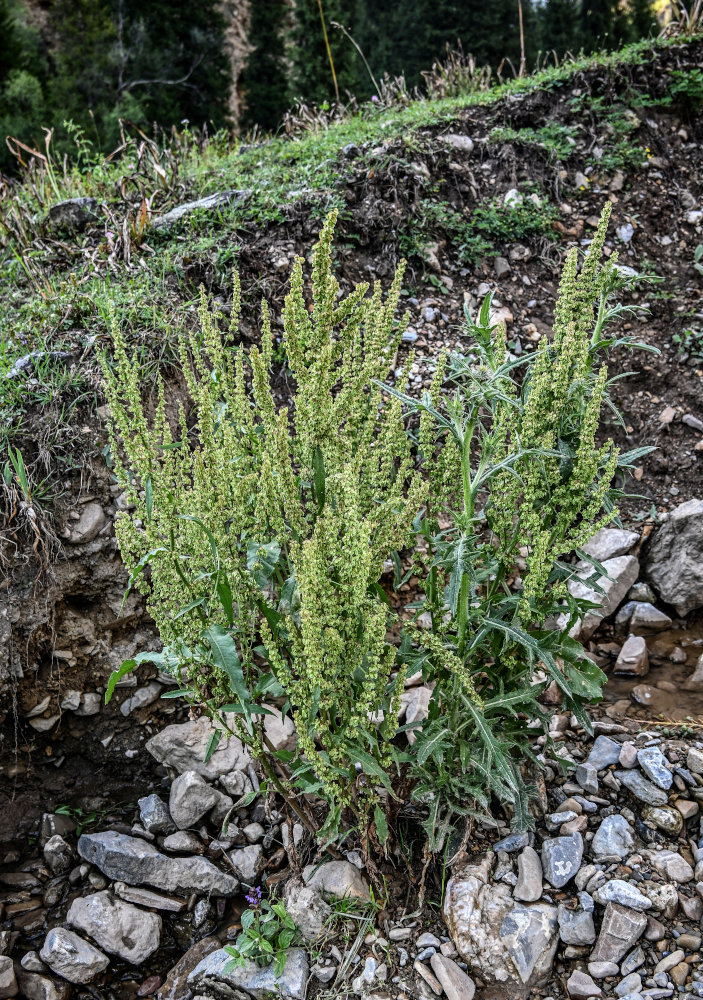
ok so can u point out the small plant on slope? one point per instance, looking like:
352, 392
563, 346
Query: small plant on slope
515, 471
266, 533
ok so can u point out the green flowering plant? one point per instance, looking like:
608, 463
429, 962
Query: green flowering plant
268, 932
515, 474
259, 534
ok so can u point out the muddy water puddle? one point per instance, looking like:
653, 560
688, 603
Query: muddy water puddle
660, 694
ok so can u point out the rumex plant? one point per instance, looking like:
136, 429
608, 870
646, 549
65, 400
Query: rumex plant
266, 530
515, 474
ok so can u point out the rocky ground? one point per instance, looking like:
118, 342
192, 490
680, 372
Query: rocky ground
117, 880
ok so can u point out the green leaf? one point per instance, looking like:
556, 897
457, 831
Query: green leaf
224, 592
126, 667
264, 558
145, 559
225, 656
318, 468
379, 818
247, 919
212, 744
149, 496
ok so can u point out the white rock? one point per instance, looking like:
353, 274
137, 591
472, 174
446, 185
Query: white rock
70, 956
183, 746
336, 878
118, 927
622, 573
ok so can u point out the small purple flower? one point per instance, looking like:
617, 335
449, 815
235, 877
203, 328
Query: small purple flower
374, 99
253, 897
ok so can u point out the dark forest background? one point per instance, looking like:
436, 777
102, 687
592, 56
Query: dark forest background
93, 62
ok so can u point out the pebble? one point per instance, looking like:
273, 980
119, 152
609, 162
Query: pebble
619, 891
529, 884
654, 764
641, 788
428, 940
456, 984
587, 777
669, 961
581, 985
604, 752
630, 984
613, 837
601, 970
561, 858
71, 956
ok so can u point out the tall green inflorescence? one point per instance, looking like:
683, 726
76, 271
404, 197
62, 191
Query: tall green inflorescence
266, 529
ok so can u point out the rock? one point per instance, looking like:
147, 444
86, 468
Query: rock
361, 983
619, 891
622, 573
182, 747
191, 798
502, 267
516, 841
254, 832
165, 222
576, 926
308, 909
694, 760
669, 961
456, 984
88, 526
601, 970
630, 984
646, 618
58, 854
621, 928
8, 980
247, 862
508, 943
561, 858
68, 955
36, 987
604, 752
184, 841
587, 778
149, 899
580, 985
674, 561
135, 861
642, 592
91, 703
512, 198
695, 681
609, 543
260, 983
633, 659
339, 879
529, 884
628, 755
462, 142
118, 927
176, 985
670, 864
72, 215
154, 815
663, 897
280, 732
142, 698
641, 788
654, 764
664, 817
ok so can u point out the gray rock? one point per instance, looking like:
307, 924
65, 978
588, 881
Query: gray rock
600, 970
646, 618
502, 267
58, 854
642, 592
456, 984
587, 777
247, 862
183, 841
142, 698
694, 760
641, 788
308, 909
561, 858
621, 928
619, 891
630, 984
37, 987
182, 747
580, 985
339, 879
670, 864
674, 561
604, 752
8, 979
118, 927
655, 766
89, 525
622, 573
154, 815
614, 837
576, 926
258, 982
632, 961
191, 798
516, 841
149, 899
609, 543
633, 658
504, 941
91, 703
529, 883
72, 215
165, 222
135, 861
695, 681
462, 142
70, 956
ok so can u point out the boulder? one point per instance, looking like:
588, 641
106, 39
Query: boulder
339, 879
8, 979
68, 955
120, 928
505, 942
191, 798
609, 543
135, 861
72, 215
259, 983
182, 747
620, 930
308, 909
674, 560
622, 573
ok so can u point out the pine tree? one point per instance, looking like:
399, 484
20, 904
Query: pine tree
642, 18
265, 79
312, 78
559, 26
603, 24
